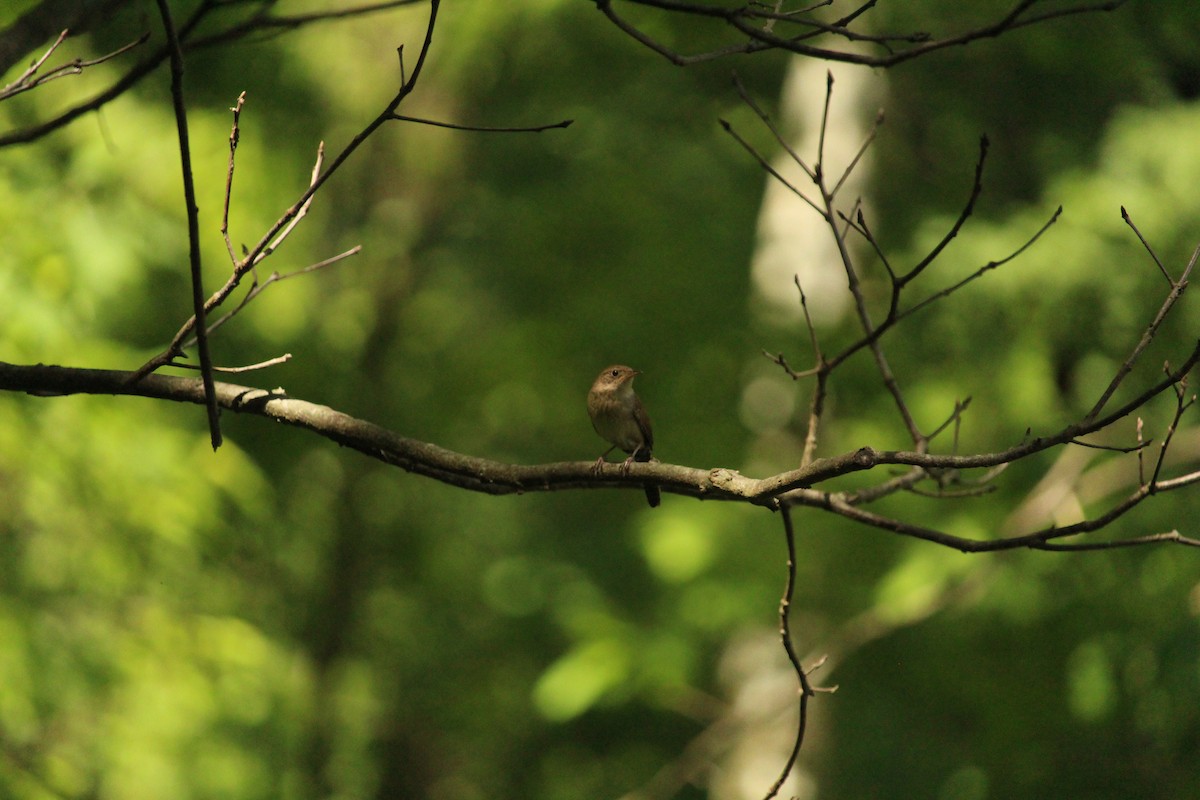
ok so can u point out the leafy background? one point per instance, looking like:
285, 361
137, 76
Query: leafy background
284, 619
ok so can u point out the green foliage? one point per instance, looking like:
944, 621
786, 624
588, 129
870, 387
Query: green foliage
287, 619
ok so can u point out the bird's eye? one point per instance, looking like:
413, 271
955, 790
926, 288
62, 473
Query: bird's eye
616, 373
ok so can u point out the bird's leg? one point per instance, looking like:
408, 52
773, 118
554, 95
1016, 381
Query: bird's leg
599, 465
640, 454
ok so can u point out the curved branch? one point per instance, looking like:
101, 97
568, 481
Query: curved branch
422, 458
259, 23
755, 24
44, 20
498, 478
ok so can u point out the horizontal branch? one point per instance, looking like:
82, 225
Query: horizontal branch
498, 478
421, 458
755, 25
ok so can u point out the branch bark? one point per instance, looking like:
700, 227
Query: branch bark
793, 488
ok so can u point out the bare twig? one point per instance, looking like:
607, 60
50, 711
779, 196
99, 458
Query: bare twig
1141, 459
1044, 539
749, 20
296, 217
204, 11
189, 198
1172, 537
282, 226
679, 60
963, 216
988, 267
1177, 289
871, 336
816, 408
566, 123
826, 209
785, 634
1182, 403
26, 81
122, 85
942, 493
274, 25
29, 79
1114, 448
234, 138
819, 166
866, 458
862, 150
771, 126
271, 362
257, 288
766, 165
955, 416
1129, 221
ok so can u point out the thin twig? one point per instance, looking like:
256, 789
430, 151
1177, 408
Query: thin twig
819, 167
122, 85
1038, 540
271, 362
1129, 221
282, 226
860, 225
871, 335
785, 634
193, 214
763, 116
27, 80
959, 407
953, 494
746, 20
234, 138
963, 216
23, 81
988, 267
258, 288
283, 24
780, 360
299, 215
1181, 405
1141, 460
766, 165
1177, 289
679, 60
858, 156
566, 123
1115, 448
816, 408
1136, 541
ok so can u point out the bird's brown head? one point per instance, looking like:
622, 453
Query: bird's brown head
615, 378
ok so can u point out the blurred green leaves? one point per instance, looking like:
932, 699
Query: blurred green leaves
286, 619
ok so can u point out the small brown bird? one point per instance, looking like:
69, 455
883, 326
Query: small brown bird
620, 418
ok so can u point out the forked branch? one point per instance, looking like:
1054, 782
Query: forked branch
756, 27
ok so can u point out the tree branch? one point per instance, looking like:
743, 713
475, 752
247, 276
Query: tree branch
785, 635
498, 478
193, 221
755, 24
283, 225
